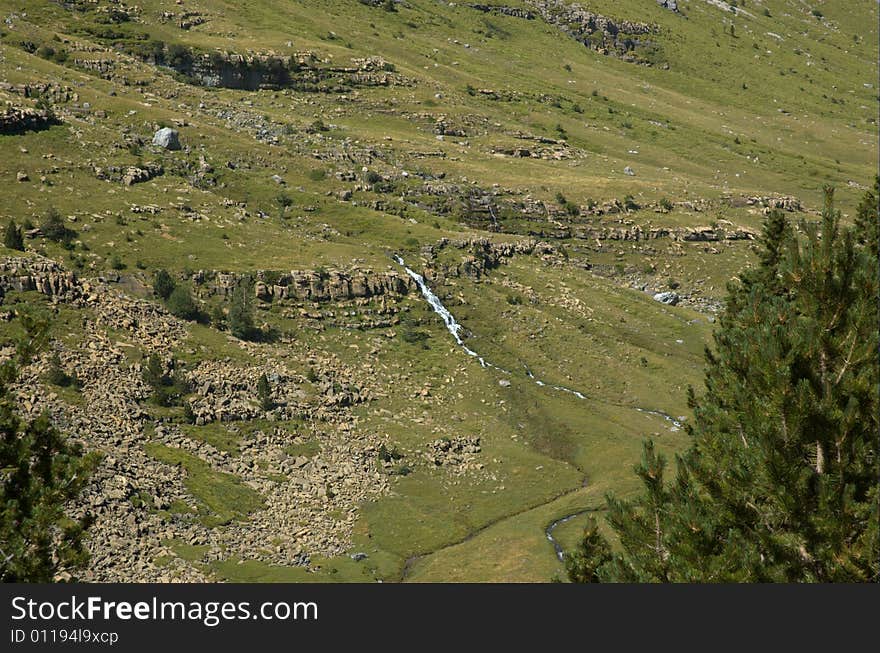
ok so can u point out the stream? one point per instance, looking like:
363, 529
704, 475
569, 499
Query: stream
560, 552
455, 329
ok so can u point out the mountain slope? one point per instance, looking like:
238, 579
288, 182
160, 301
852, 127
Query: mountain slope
547, 166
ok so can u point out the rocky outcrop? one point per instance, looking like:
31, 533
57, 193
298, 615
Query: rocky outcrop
37, 274
307, 495
48, 91
617, 37
452, 451
515, 12
669, 298
15, 120
129, 175
481, 255
302, 71
768, 203
309, 285
638, 233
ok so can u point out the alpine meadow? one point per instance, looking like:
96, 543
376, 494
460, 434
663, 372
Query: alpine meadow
357, 291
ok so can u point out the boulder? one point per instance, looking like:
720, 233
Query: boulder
167, 138
669, 298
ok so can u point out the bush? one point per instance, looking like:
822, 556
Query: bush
181, 304
630, 204
12, 237
218, 318
50, 53
241, 311
58, 377
414, 336
163, 284
168, 388
264, 393
54, 229
372, 177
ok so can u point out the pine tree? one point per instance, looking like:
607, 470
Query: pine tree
181, 304
54, 229
867, 222
12, 237
241, 311
40, 473
780, 482
264, 393
163, 284
168, 388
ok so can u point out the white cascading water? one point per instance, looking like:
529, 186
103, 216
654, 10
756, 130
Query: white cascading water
455, 328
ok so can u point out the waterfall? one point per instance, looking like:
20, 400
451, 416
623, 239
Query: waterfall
455, 329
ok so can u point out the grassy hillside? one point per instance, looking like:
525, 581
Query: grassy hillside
327, 136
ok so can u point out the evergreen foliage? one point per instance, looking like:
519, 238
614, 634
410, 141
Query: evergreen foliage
58, 376
181, 304
54, 229
163, 284
168, 388
40, 472
780, 482
12, 237
264, 393
241, 311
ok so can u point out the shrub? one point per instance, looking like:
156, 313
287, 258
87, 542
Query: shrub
181, 304
168, 388
57, 376
12, 237
218, 318
163, 284
264, 393
54, 229
372, 177
630, 204
241, 311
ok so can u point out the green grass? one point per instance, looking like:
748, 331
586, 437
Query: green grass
222, 497
726, 119
217, 434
